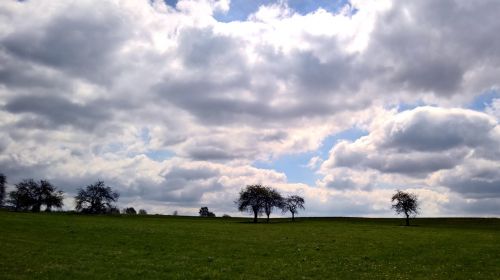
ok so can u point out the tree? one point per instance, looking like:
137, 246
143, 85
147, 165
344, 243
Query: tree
175, 213
30, 195
205, 213
252, 199
129, 211
292, 204
23, 198
3, 182
142, 212
406, 203
49, 196
96, 198
272, 199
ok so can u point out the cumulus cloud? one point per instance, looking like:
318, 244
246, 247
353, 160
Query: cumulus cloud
173, 107
426, 147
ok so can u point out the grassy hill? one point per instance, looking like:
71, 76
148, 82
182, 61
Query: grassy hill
67, 246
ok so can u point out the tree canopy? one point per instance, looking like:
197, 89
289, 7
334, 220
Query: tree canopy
405, 203
31, 196
204, 212
252, 199
129, 211
292, 204
96, 198
273, 199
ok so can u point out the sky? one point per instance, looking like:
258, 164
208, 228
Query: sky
181, 104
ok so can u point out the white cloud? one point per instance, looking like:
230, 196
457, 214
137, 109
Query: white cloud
88, 93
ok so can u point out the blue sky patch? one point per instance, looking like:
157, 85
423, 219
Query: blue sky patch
159, 155
239, 10
482, 101
295, 165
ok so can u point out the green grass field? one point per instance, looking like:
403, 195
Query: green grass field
67, 246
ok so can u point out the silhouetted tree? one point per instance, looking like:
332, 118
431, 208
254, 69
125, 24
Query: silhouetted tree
96, 198
175, 213
3, 182
272, 199
252, 199
29, 195
406, 203
112, 210
292, 204
49, 196
23, 198
205, 213
129, 211
142, 212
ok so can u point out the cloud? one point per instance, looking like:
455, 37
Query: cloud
422, 140
89, 94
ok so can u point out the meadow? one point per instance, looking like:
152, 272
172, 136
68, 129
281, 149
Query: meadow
70, 246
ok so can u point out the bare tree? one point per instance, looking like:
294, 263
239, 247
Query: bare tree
406, 203
292, 204
273, 199
96, 198
252, 199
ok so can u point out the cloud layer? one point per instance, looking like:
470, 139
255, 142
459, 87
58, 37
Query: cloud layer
174, 108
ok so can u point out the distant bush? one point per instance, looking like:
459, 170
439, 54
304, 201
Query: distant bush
129, 211
205, 213
112, 211
142, 212
226, 216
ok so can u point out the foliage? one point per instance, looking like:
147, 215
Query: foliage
31, 196
272, 199
204, 212
252, 199
129, 211
292, 204
405, 203
163, 247
142, 212
3, 182
96, 198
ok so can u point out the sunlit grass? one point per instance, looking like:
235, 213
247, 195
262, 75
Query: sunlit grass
64, 246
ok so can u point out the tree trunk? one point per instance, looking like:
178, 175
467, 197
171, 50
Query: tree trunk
268, 218
407, 220
254, 216
293, 217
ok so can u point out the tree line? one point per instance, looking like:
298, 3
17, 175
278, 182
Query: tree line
259, 199
98, 198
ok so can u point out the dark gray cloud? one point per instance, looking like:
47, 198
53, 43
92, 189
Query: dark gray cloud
473, 180
429, 46
80, 41
431, 130
190, 174
51, 112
